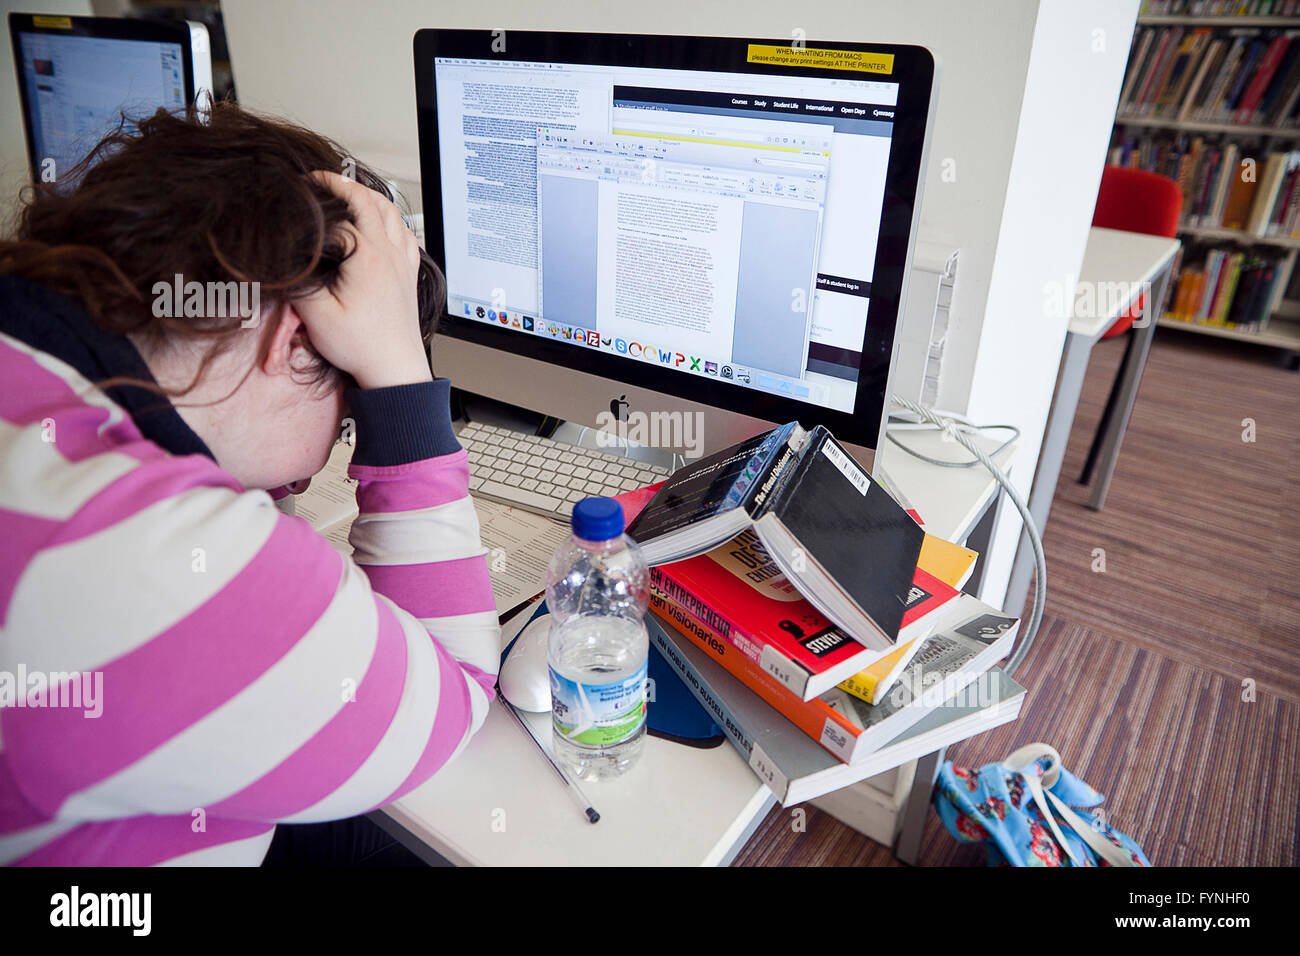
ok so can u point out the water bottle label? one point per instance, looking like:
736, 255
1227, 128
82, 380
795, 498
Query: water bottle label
598, 715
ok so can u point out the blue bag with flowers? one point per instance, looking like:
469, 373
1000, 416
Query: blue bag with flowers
1031, 811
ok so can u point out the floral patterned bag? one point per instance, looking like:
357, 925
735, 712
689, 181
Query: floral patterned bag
1024, 809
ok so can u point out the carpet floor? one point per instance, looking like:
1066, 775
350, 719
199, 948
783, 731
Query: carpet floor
1167, 668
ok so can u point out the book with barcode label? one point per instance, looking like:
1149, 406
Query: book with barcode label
843, 540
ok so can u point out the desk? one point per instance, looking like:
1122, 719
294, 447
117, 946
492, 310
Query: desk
1112, 256
499, 804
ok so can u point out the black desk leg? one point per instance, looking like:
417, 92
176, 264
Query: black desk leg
1094, 450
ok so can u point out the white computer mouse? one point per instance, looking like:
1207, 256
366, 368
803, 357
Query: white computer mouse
525, 680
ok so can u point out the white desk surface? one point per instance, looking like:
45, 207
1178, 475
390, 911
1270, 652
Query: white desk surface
1115, 255
499, 802
949, 500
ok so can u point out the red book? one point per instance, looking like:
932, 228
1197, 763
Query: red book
741, 594
1259, 83
1156, 69
633, 501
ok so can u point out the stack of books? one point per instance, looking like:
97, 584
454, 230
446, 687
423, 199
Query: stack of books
814, 618
1235, 290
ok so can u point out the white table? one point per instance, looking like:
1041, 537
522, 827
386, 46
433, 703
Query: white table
500, 804
1112, 256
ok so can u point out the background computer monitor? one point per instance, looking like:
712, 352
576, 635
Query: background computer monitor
78, 75
673, 224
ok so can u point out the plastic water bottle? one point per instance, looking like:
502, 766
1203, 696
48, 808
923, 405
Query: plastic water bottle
597, 588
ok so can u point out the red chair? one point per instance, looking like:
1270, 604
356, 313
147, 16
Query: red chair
1136, 201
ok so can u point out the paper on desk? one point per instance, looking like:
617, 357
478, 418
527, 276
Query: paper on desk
519, 543
330, 501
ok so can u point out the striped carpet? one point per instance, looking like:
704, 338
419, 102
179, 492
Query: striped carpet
1170, 680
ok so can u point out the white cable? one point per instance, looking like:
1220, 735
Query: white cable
944, 413
950, 427
892, 426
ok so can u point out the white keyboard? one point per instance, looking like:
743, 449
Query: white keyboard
547, 476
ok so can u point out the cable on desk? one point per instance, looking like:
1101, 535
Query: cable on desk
897, 424
957, 430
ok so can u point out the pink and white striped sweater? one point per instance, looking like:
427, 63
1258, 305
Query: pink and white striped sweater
250, 673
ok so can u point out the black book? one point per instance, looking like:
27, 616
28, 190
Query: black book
1262, 293
1241, 296
837, 534
1254, 54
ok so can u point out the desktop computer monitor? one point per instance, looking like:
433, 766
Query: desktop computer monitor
673, 224
78, 75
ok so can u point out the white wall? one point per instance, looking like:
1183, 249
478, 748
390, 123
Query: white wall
14, 170
1024, 111
1076, 69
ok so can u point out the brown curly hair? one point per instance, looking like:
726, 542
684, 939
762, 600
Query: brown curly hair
212, 195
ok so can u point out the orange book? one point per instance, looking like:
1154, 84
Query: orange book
1180, 294
950, 563
1187, 295
1241, 196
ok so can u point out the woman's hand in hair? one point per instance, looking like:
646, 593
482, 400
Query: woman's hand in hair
368, 324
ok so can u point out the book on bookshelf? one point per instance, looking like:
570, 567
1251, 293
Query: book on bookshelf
1236, 208
1222, 9
1225, 184
1213, 72
1205, 70
1270, 181
1228, 288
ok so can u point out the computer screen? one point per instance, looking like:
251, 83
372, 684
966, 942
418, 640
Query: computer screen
718, 229
79, 75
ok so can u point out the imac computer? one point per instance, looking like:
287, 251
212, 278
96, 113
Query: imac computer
78, 75
676, 225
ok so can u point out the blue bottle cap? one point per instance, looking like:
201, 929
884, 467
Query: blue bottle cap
597, 519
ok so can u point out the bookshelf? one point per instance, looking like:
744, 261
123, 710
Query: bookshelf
1209, 85
1235, 20
1238, 236
1201, 127
1278, 334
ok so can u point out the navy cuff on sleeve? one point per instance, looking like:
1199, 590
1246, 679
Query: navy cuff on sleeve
403, 423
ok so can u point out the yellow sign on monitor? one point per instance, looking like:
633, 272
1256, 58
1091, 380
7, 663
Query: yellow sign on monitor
882, 63
53, 23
